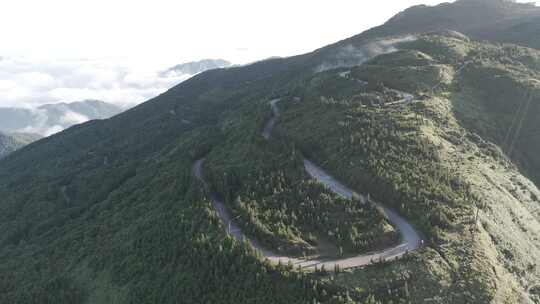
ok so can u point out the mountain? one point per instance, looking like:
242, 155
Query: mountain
51, 118
435, 127
496, 20
503, 21
11, 142
196, 67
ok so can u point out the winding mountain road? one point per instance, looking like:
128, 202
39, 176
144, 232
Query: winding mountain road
411, 239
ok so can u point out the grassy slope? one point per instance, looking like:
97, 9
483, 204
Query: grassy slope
494, 20
427, 160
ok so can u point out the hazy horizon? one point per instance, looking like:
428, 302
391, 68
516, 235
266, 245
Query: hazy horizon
114, 51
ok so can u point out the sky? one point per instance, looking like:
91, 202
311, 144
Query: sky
65, 50
165, 32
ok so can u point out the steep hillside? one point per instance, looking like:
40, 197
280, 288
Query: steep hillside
99, 212
495, 20
109, 211
9, 143
433, 160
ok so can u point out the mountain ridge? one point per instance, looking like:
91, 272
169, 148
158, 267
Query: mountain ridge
10, 143
196, 67
51, 118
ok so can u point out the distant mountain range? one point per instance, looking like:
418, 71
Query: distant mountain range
52, 118
11, 142
196, 67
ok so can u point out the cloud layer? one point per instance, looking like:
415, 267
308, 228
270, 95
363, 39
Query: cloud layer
30, 83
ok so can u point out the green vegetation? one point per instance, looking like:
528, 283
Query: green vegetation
400, 154
507, 92
146, 234
382, 152
108, 211
271, 196
385, 157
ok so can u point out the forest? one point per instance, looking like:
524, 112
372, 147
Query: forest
274, 200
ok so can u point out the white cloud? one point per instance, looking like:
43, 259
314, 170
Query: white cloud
36, 80
163, 31
29, 83
52, 130
157, 34
72, 118
350, 55
6, 85
39, 124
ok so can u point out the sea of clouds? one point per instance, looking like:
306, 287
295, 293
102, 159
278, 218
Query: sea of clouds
29, 83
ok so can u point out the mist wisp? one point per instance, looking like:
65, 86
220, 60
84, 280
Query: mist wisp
350, 55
